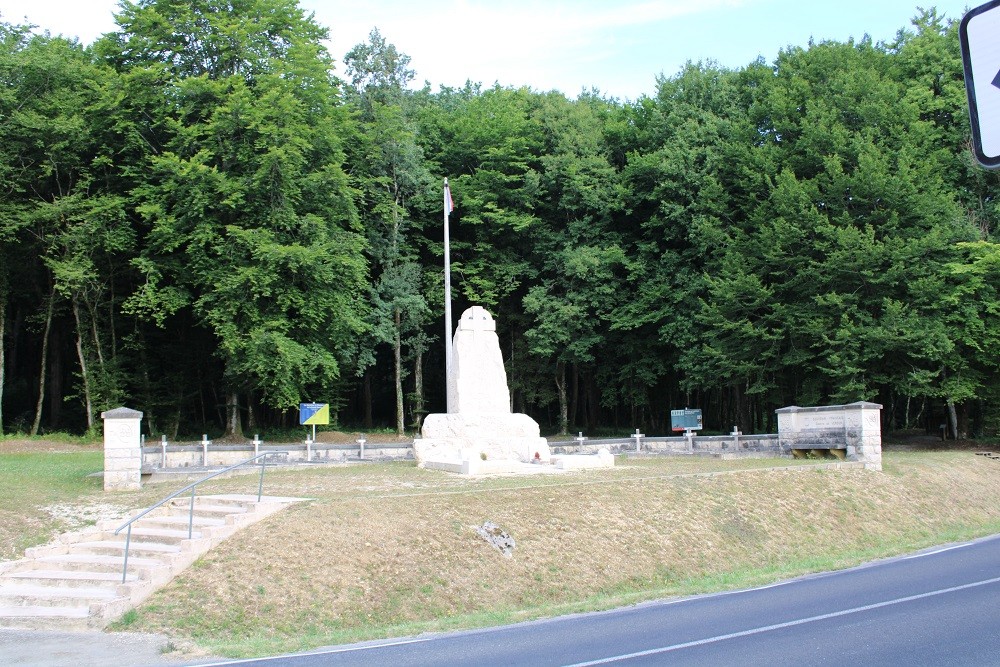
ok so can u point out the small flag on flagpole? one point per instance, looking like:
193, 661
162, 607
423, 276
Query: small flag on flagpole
449, 205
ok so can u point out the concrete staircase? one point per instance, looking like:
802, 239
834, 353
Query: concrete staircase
76, 582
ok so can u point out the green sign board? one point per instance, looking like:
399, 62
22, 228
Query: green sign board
688, 419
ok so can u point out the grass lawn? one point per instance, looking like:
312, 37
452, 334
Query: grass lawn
33, 486
389, 549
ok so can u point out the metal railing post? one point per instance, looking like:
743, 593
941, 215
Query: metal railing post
191, 516
260, 485
128, 542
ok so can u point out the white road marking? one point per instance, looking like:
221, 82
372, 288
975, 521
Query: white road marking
938, 551
779, 626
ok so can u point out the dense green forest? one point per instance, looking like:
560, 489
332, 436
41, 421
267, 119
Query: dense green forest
206, 218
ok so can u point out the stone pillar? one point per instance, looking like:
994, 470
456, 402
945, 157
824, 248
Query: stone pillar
122, 449
863, 424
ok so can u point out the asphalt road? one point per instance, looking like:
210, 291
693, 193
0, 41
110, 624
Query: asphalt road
937, 607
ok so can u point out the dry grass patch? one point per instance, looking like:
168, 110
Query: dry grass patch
390, 549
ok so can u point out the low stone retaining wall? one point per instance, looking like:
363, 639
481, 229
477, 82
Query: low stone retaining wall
185, 455
853, 431
696, 444
159, 457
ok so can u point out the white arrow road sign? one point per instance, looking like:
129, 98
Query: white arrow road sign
979, 34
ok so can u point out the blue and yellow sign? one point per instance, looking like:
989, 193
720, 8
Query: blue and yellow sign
312, 414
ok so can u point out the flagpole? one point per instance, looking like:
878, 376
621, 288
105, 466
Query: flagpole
447, 298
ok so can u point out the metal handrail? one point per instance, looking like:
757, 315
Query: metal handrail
191, 487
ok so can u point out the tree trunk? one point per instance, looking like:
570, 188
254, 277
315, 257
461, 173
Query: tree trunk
175, 427
397, 350
251, 417
98, 349
953, 419
234, 428
220, 409
576, 394
746, 415
147, 389
111, 323
45, 359
418, 389
84, 372
563, 406
920, 415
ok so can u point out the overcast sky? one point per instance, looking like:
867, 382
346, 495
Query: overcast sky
615, 46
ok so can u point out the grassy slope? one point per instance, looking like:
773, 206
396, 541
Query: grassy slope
390, 549
394, 552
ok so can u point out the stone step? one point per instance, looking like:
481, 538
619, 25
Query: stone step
144, 533
240, 503
216, 511
96, 563
204, 515
46, 618
28, 595
117, 548
68, 578
178, 521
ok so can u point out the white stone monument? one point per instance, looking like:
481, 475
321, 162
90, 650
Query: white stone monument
122, 449
478, 380
481, 433
855, 428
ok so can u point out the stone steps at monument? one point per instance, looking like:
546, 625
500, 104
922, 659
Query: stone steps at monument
117, 548
52, 595
76, 583
69, 578
143, 532
84, 562
181, 522
226, 510
69, 619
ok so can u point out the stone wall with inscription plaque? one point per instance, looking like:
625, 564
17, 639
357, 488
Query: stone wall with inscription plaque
855, 428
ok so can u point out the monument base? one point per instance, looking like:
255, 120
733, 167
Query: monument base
487, 436
855, 430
